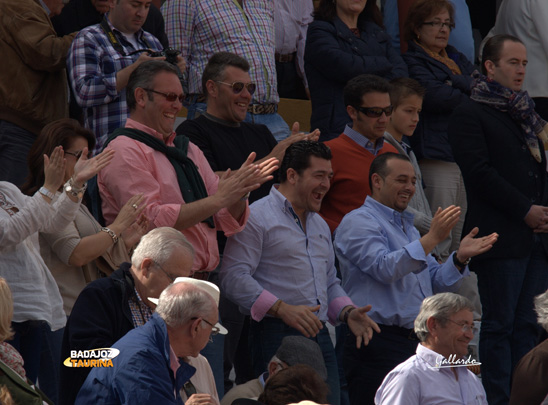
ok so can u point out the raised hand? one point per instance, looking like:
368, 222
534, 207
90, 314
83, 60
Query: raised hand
442, 223
85, 168
471, 246
54, 169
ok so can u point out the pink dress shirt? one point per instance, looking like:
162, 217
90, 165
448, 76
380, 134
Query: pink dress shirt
137, 168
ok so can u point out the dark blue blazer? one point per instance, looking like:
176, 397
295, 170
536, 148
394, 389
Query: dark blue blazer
444, 92
334, 55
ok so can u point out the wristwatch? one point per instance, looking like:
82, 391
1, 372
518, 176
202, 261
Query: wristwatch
73, 190
460, 264
47, 193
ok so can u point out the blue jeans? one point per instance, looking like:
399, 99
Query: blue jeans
28, 342
50, 362
509, 326
15, 143
274, 122
266, 336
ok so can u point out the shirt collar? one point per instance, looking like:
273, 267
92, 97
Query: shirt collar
130, 123
45, 7
283, 202
173, 361
388, 212
363, 141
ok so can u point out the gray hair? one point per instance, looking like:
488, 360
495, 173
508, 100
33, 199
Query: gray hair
541, 308
440, 306
181, 302
158, 245
143, 76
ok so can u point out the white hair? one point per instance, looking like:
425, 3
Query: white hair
181, 302
158, 245
541, 308
440, 306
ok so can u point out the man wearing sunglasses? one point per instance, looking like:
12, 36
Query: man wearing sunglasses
437, 373
367, 100
385, 262
156, 362
202, 28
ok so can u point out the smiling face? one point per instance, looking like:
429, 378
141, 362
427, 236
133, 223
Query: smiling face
310, 187
398, 186
128, 16
449, 339
435, 38
510, 68
371, 127
222, 102
405, 117
153, 109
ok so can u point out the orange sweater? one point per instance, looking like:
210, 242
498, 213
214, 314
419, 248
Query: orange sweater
350, 184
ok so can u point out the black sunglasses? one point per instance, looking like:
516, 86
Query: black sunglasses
238, 87
171, 97
376, 112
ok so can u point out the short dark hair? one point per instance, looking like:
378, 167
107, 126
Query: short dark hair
327, 11
294, 384
403, 87
380, 166
493, 48
357, 87
217, 64
297, 156
419, 11
143, 76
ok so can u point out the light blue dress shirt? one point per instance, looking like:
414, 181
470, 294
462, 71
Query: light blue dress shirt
273, 258
364, 142
418, 381
383, 264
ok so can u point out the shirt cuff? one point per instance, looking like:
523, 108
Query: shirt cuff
262, 304
335, 308
225, 221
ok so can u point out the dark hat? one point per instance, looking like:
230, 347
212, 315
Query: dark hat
300, 350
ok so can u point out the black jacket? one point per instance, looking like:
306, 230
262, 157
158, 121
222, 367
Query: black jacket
501, 176
100, 317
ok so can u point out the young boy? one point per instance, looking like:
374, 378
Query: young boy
406, 97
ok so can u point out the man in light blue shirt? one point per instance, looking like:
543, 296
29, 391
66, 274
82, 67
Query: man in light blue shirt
384, 260
437, 374
280, 268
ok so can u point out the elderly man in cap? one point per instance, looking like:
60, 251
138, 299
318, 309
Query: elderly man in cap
293, 350
437, 374
152, 366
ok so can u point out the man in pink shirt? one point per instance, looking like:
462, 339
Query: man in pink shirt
180, 189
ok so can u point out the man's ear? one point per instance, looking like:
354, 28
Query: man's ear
145, 267
194, 327
433, 326
376, 181
352, 112
212, 89
292, 175
141, 96
489, 67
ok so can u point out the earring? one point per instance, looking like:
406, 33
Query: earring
418, 36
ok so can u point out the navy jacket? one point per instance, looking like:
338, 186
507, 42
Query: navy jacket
501, 176
444, 92
334, 55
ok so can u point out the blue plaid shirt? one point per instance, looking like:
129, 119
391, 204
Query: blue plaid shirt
201, 28
92, 64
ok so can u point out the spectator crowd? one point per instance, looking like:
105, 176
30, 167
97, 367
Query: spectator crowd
396, 253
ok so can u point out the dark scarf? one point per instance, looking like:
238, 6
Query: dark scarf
517, 104
190, 182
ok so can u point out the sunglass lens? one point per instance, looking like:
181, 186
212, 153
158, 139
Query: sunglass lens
251, 87
237, 87
374, 112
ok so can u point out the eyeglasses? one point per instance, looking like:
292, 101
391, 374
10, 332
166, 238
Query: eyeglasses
440, 24
376, 112
165, 272
77, 154
214, 330
171, 97
465, 327
238, 87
